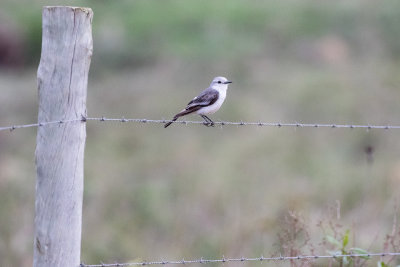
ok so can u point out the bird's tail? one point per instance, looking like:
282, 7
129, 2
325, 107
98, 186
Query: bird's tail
170, 122
180, 114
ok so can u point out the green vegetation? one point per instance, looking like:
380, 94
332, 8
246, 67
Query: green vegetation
131, 33
191, 191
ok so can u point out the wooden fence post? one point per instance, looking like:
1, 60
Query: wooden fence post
62, 83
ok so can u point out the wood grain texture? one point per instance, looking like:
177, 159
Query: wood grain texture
62, 84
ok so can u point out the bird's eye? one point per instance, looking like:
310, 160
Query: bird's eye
219, 81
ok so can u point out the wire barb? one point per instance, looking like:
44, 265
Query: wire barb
243, 259
220, 123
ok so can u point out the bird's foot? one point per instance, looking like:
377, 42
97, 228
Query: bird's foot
209, 124
207, 121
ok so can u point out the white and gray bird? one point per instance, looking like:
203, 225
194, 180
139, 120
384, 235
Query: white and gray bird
208, 102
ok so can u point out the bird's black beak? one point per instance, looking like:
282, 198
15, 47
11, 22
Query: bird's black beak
227, 82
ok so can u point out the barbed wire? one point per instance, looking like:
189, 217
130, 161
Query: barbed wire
242, 259
39, 124
217, 123
220, 123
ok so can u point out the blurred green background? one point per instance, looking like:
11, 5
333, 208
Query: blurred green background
191, 191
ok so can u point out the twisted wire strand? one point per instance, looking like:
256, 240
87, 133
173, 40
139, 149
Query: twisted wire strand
220, 123
243, 259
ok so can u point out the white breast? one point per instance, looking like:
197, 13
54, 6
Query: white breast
214, 107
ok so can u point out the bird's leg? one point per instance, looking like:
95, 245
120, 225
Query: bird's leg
211, 122
208, 122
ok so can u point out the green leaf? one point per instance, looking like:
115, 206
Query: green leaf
382, 264
360, 251
345, 240
333, 241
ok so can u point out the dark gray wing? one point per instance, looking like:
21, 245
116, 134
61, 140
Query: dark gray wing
206, 98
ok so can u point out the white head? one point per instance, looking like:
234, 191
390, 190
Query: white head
220, 83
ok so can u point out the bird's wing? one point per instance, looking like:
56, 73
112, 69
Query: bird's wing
206, 98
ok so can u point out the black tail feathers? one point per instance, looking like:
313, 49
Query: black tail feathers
170, 122
180, 114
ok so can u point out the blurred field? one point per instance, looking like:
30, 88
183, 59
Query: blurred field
191, 191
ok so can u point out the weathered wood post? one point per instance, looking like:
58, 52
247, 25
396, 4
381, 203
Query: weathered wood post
62, 83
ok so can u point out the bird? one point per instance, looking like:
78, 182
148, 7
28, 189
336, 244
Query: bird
207, 102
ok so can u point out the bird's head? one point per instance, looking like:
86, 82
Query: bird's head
220, 83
